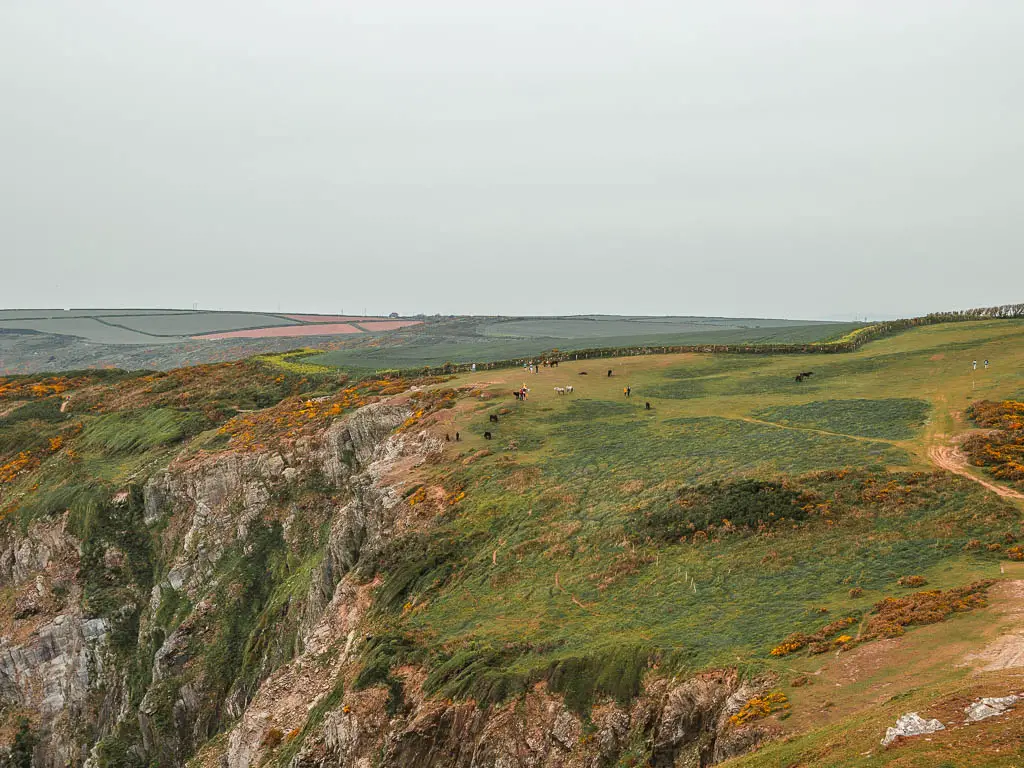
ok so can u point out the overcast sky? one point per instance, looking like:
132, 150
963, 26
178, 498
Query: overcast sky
737, 157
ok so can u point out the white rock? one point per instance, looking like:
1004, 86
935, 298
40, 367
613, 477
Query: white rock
989, 707
911, 724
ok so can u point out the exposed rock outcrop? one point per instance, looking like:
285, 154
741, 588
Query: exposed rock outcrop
682, 724
911, 724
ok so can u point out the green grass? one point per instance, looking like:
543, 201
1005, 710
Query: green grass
889, 419
570, 582
293, 362
567, 556
698, 449
47, 409
141, 431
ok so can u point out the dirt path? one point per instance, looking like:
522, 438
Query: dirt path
950, 458
1007, 650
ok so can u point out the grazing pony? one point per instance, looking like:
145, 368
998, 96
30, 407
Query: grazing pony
647, 406
487, 435
494, 418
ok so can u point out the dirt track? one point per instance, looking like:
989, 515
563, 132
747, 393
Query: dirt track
949, 457
1007, 650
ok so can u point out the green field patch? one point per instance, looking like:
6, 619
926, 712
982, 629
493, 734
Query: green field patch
888, 419
586, 409
679, 389
709, 365
191, 323
700, 449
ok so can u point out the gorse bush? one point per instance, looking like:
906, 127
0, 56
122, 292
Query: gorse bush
889, 618
1001, 450
744, 504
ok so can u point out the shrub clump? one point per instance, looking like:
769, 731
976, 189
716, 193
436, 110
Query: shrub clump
1000, 450
888, 618
893, 614
725, 507
912, 581
819, 642
760, 707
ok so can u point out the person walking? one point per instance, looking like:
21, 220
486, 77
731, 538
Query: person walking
975, 365
986, 365
629, 391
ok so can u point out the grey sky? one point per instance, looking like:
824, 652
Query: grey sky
783, 158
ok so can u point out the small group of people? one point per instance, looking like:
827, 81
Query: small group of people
627, 391
522, 392
976, 365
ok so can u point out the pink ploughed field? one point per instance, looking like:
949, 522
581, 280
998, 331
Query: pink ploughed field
321, 329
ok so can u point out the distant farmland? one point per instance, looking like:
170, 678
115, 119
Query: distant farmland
52, 339
156, 326
464, 340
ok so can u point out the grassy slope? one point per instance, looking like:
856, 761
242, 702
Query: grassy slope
549, 570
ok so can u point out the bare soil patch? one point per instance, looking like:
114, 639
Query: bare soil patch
1007, 650
950, 457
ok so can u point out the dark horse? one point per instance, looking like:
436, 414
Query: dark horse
494, 418
487, 435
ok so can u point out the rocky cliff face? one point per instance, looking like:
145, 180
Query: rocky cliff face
243, 646
675, 724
